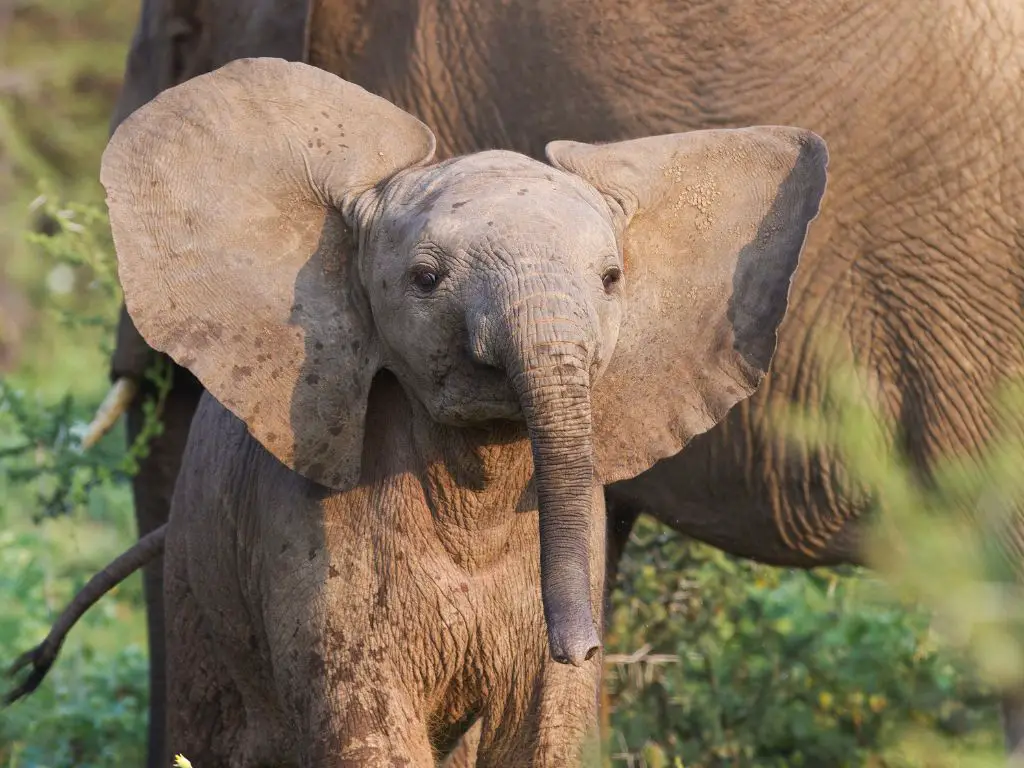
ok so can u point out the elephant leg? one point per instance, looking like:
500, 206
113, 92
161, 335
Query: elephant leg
568, 713
205, 712
362, 729
464, 754
1013, 727
555, 729
621, 517
152, 488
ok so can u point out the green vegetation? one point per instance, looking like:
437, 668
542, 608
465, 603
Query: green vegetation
767, 667
714, 661
64, 513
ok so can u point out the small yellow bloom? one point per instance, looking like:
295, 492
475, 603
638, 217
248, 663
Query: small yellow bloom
825, 700
180, 761
877, 702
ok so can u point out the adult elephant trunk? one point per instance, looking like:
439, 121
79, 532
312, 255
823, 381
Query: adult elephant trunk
549, 363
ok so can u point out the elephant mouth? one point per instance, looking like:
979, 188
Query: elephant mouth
474, 395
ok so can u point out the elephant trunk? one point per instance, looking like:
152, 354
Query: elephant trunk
549, 367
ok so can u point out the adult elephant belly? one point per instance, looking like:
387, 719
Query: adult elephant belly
913, 269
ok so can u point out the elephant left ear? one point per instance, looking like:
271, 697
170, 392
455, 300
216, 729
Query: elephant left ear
711, 224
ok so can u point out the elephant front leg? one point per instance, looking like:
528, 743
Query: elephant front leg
363, 727
568, 724
465, 751
152, 489
558, 728
206, 717
350, 705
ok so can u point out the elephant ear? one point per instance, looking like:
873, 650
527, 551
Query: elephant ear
232, 198
712, 224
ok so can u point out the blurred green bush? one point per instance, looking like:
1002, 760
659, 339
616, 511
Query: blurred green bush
712, 661
751, 665
91, 711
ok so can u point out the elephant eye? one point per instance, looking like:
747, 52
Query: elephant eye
425, 278
611, 277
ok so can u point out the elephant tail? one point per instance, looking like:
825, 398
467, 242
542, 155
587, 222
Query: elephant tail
42, 657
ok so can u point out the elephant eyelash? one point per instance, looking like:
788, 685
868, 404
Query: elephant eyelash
425, 278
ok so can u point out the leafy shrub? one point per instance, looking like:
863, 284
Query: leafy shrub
91, 709
772, 667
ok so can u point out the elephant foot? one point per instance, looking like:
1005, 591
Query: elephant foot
1012, 706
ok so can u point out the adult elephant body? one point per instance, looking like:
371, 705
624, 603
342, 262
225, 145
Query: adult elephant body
915, 262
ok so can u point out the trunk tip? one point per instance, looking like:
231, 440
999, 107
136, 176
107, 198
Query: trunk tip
575, 648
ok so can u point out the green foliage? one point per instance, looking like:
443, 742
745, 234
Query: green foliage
91, 710
947, 539
40, 440
768, 667
45, 472
60, 67
61, 64
762, 666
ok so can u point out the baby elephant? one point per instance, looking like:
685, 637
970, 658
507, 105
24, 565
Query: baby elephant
419, 376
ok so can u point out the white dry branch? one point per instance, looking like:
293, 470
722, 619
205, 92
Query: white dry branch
641, 665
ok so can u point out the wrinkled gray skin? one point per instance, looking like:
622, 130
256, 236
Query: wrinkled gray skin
916, 264
389, 521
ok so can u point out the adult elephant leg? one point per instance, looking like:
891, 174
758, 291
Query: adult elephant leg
620, 518
1013, 727
1012, 700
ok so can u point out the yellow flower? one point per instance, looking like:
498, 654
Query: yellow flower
825, 700
877, 702
180, 761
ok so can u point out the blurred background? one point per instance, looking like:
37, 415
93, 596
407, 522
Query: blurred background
728, 664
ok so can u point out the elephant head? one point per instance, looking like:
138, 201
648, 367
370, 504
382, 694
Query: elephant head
283, 234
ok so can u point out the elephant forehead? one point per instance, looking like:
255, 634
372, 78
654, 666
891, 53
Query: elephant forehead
500, 208
498, 162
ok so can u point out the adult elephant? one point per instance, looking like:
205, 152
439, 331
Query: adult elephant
915, 261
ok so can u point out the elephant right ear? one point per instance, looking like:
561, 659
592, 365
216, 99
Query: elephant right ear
232, 199
712, 225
